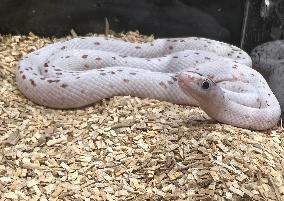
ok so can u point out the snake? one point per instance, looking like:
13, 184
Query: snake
268, 59
214, 75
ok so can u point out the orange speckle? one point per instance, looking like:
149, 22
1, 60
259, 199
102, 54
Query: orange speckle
125, 80
63, 85
163, 85
33, 82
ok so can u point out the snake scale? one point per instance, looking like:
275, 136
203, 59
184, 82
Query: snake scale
191, 71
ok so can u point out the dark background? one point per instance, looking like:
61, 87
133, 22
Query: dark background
233, 21
216, 19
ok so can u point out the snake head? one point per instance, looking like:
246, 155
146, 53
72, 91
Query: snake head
205, 91
196, 84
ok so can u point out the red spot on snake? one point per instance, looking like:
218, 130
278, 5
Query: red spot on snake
33, 82
163, 85
24, 77
50, 81
96, 43
234, 77
125, 80
45, 65
63, 85
171, 47
84, 56
137, 47
98, 58
86, 66
45, 70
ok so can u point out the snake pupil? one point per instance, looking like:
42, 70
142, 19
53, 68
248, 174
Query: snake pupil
205, 84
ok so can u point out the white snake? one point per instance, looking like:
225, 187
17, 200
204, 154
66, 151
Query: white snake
268, 59
193, 71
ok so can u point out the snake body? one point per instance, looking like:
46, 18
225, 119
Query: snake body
268, 59
192, 71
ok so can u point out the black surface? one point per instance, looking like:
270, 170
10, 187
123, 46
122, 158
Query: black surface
258, 29
218, 19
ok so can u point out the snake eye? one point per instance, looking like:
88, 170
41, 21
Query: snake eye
205, 84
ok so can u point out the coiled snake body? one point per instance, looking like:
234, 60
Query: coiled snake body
268, 59
193, 71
